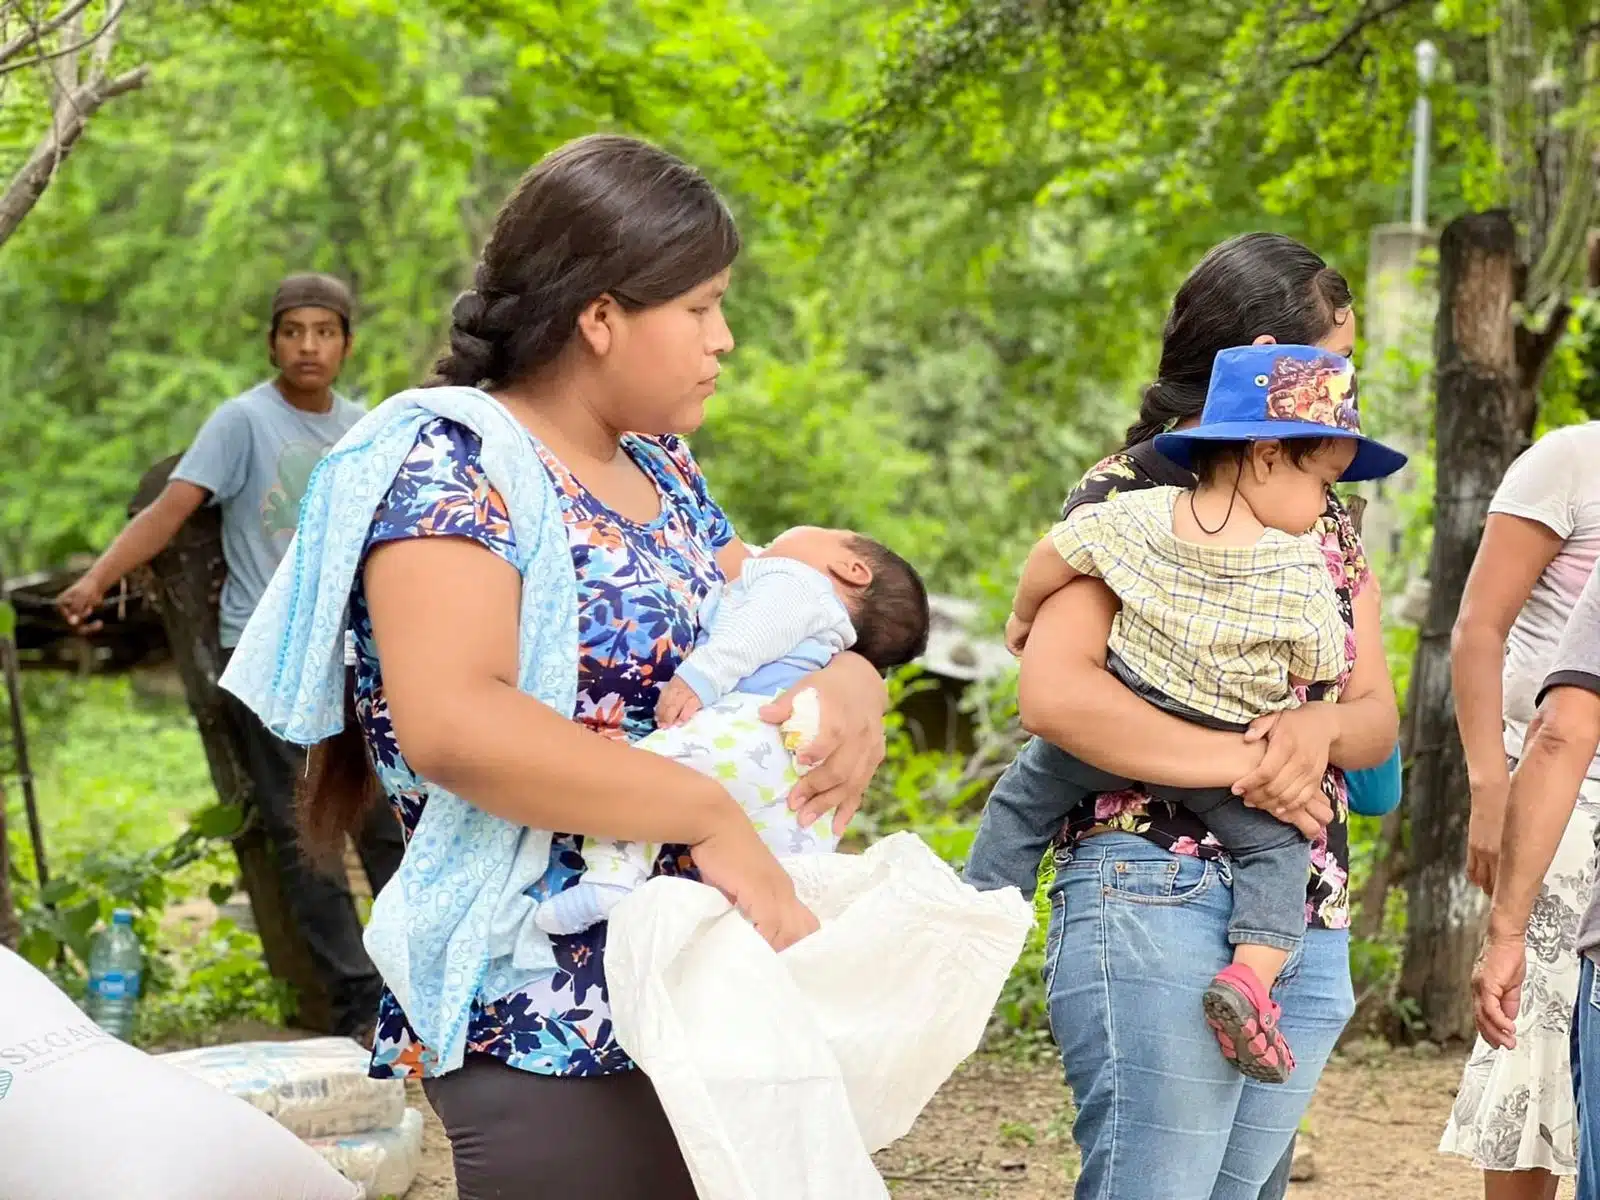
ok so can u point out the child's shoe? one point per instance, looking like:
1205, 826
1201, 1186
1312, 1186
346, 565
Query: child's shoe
1245, 1020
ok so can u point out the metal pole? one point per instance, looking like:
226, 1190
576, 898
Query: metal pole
1422, 130
19, 739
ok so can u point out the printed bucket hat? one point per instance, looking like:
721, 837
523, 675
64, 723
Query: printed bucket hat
1273, 392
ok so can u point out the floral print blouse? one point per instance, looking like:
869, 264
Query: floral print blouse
639, 590
1168, 824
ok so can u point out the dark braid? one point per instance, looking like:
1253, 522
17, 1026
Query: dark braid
1253, 284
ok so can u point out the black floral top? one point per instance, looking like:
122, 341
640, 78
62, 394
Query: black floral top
1168, 824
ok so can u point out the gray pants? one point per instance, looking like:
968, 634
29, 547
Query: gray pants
516, 1135
1270, 860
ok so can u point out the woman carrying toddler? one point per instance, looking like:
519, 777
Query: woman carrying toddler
1141, 901
1228, 614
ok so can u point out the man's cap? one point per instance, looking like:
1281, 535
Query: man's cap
312, 290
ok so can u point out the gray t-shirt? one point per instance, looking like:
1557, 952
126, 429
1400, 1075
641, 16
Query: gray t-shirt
255, 455
1577, 664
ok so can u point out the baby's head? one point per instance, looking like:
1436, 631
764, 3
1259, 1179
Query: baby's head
881, 591
1285, 482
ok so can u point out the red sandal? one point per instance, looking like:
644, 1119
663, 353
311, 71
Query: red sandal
1244, 1019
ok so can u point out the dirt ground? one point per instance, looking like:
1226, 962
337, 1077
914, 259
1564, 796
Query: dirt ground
1002, 1130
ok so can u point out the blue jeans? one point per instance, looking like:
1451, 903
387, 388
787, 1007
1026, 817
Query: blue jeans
1270, 860
1586, 1079
1136, 934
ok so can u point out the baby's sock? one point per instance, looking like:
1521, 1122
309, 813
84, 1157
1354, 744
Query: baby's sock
577, 908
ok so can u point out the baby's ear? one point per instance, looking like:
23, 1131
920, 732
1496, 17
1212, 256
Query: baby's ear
851, 569
1263, 456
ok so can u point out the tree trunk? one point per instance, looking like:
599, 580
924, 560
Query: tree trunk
1388, 864
184, 582
1483, 417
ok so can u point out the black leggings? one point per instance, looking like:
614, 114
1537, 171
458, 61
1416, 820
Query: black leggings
520, 1136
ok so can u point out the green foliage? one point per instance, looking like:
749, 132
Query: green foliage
130, 821
963, 221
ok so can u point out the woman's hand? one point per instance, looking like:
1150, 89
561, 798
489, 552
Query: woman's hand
734, 860
1497, 989
1484, 828
849, 744
1288, 783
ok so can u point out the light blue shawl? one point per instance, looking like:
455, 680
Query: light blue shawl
455, 923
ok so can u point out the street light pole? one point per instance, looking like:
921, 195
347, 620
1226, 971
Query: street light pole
1422, 128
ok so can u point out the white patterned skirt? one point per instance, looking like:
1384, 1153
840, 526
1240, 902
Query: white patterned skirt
1515, 1111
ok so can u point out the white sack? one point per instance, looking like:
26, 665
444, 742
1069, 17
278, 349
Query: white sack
85, 1116
782, 1074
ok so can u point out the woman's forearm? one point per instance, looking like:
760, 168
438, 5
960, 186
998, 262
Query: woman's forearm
1066, 696
1477, 658
1367, 729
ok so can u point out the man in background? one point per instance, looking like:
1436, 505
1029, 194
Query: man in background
254, 457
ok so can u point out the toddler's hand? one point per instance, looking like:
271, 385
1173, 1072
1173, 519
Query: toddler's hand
677, 704
1017, 631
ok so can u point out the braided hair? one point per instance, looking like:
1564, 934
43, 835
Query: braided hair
604, 214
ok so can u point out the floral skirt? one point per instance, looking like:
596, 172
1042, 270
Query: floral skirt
1514, 1111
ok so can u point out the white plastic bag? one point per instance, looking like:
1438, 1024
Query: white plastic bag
314, 1088
384, 1161
782, 1074
85, 1116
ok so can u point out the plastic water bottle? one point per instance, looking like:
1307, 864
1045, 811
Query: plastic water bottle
116, 966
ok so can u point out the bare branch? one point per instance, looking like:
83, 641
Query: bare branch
103, 40
1367, 18
36, 32
1534, 347
71, 117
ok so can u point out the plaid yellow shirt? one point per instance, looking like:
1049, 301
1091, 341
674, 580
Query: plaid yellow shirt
1220, 629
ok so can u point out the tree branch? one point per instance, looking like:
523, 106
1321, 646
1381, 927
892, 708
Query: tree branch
1534, 347
38, 32
98, 36
1367, 18
71, 117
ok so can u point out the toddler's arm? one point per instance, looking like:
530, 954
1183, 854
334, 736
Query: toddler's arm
777, 605
1048, 569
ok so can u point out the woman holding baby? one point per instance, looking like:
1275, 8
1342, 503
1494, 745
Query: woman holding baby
592, 335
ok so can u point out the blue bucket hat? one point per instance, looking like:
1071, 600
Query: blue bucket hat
1273, 392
